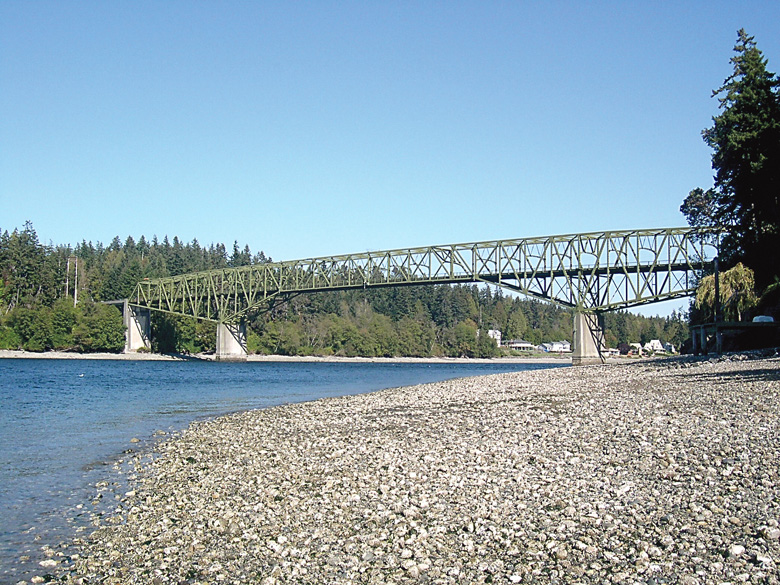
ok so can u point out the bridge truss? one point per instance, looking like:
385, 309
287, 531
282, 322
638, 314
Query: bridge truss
592, 273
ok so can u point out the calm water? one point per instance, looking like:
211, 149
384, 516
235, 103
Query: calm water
64, 422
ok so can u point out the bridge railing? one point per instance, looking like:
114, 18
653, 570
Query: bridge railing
593, 271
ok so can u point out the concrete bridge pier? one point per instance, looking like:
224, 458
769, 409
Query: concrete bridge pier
231, 342
138, 325
138, 321
589, 346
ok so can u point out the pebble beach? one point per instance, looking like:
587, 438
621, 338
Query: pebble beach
647, 472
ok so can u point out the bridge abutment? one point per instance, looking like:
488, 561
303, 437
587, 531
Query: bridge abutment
589, 346
231, 342
138, 321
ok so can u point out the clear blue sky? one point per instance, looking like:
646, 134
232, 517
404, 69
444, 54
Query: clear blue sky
317, 128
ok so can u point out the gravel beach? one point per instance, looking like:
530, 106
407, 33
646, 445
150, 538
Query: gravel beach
649, 472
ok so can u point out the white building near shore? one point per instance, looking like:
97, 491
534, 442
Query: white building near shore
654, 346
556, 347
519, 345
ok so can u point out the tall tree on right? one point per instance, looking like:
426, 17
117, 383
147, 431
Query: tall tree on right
745, 138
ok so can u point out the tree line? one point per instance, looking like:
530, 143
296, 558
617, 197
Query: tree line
38, 284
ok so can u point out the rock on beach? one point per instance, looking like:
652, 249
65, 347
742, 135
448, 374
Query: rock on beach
650, 472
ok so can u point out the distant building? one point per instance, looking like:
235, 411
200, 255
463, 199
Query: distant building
556, 347
654, 346
519, 345
495, 334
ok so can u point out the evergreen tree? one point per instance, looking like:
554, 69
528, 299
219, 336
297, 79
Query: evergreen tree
745, 139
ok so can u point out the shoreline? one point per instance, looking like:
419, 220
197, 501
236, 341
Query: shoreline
654, 470
66, 355
20, 354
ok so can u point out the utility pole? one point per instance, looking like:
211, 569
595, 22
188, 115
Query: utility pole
76, 284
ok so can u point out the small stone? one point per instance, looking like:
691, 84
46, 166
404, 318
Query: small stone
771, 533
654, 552
408, 564
736, 550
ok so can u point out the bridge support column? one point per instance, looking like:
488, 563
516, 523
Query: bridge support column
231, 342
589, 346
138, 321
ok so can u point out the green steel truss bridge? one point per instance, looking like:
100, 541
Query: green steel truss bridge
591, 273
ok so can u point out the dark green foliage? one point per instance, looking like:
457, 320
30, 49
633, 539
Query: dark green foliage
33, 327
30, 273
179, 334
205, 336
64, 319
22, 321
100, 328
699, 208
769, 303
89, 327
173, 334
745, 138
9, 339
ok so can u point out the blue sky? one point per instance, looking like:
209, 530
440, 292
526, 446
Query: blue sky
317, 128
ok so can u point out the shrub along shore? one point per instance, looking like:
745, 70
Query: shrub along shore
645, 472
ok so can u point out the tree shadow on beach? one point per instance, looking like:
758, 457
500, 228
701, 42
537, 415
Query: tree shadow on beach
757, 375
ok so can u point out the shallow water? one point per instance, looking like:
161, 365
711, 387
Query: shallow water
63, 423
